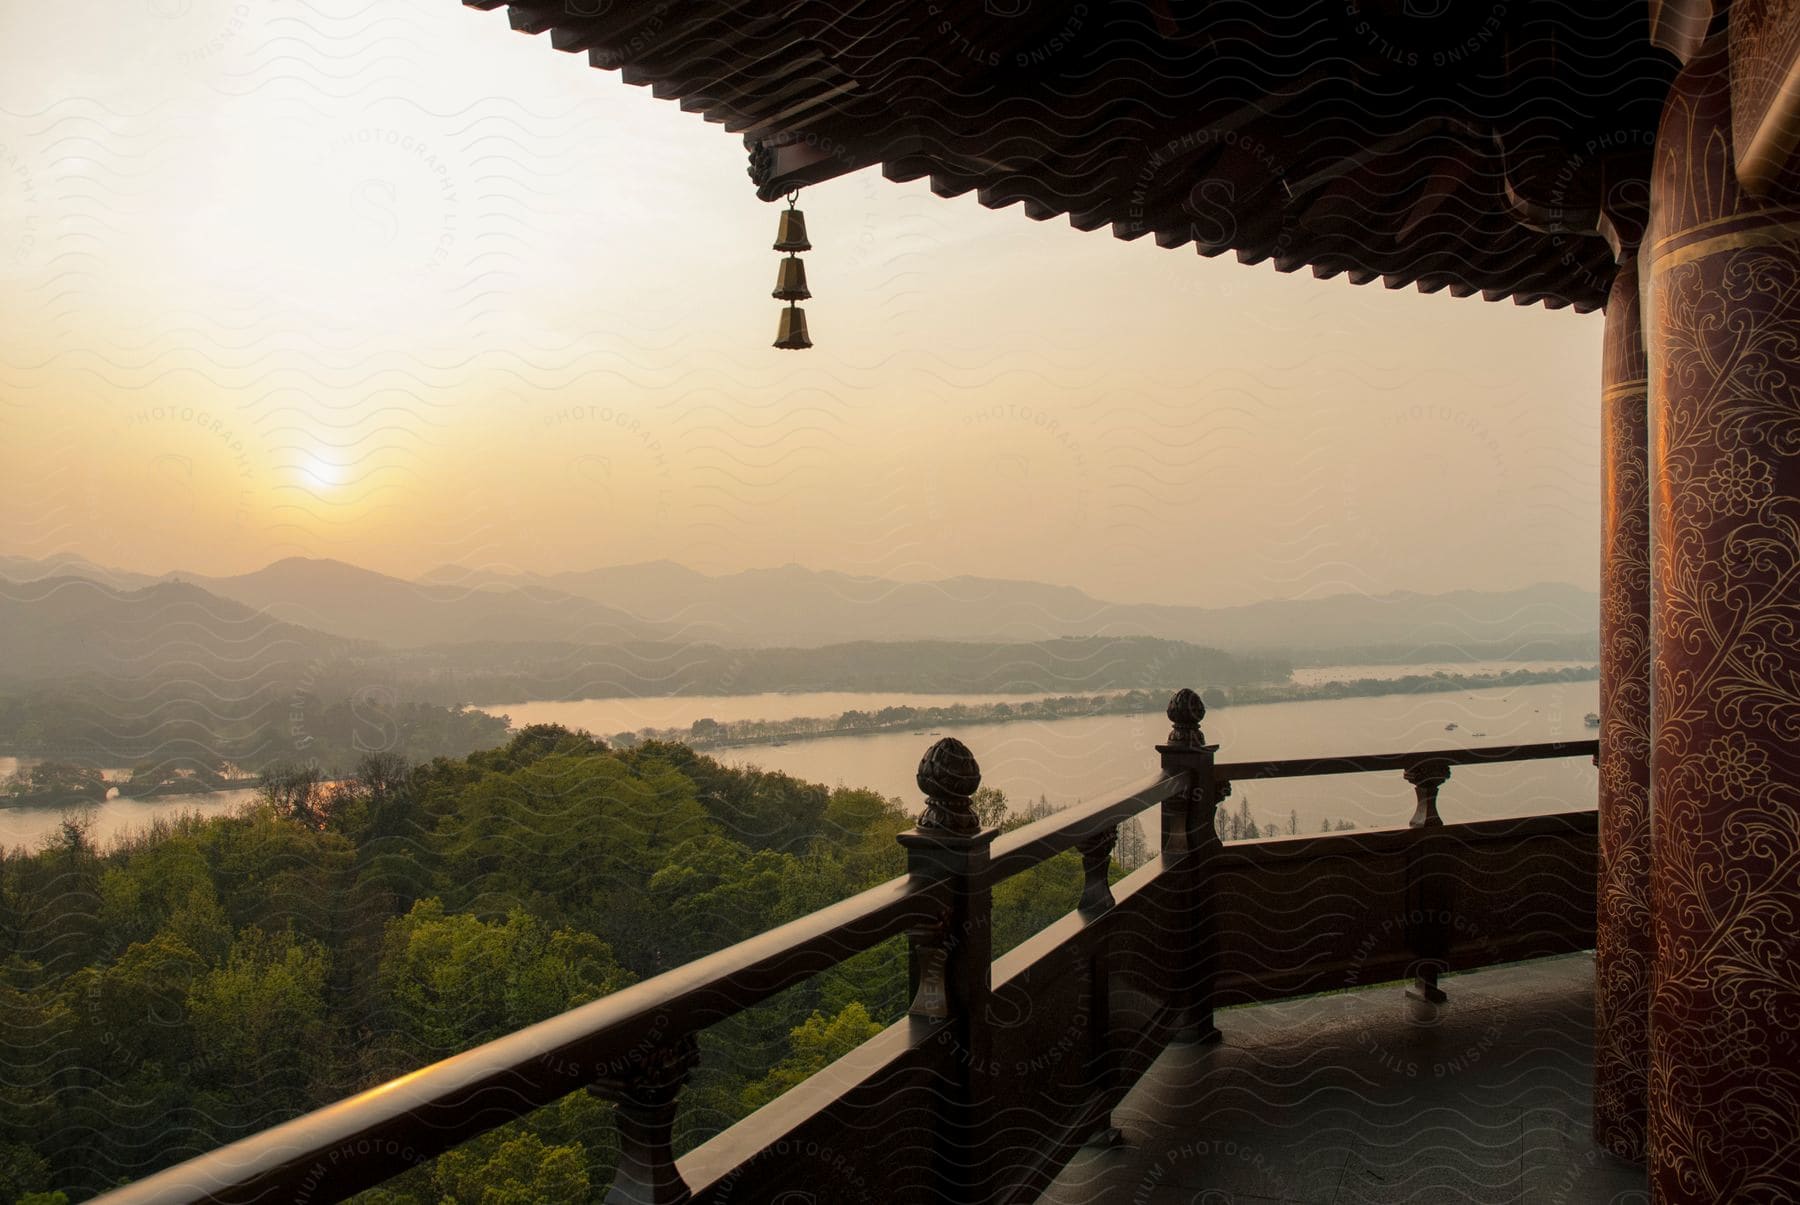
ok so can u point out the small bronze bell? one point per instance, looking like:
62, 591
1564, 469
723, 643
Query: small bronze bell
792, 234
790, 280
792, 333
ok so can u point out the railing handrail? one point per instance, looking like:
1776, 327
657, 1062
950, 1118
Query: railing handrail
1041, 840
1369, 763
530, 1067
425, 1112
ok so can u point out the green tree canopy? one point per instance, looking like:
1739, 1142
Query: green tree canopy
813, 1047
449, 981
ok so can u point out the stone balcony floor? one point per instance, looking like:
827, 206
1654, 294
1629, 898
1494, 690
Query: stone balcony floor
1365, 1097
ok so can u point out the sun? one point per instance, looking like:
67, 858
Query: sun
320, 472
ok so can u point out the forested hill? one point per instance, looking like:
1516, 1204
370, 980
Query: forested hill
332, 596
100, 675
212, 978
61, 626
483, 672
794, 606
104, 675
94, 722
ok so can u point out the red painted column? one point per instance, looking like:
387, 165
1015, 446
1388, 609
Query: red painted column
1722, 331
1622, 944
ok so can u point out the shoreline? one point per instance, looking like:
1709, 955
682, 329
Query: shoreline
65, 802
1127, 702
736, 734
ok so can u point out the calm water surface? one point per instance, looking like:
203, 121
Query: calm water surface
1312, 675
1067, 761
112, 819
1081, 759
603, 717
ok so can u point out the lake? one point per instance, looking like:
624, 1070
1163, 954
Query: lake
1078, 759
1072, 760
1312, 675
603, 717
111, 819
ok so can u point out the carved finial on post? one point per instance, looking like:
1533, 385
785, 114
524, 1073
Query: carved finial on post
1187, 750
1185, 711
949, 776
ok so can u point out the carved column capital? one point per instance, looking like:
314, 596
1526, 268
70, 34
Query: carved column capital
663, 1070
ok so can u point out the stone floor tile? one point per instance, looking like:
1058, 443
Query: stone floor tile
1358, 1097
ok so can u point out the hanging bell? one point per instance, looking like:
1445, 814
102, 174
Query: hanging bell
792, 333
792, 234
790, 280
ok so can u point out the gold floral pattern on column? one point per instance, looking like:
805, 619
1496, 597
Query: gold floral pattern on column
1723, 335
1623, 945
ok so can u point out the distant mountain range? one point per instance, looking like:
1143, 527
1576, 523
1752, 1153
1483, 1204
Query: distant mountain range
487, 674
797, 607
359, 603
68, 564
63, 626
793, 607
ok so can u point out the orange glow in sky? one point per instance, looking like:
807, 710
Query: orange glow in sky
394, 284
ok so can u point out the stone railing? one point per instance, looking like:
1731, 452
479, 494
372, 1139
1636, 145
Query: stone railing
1002, 1068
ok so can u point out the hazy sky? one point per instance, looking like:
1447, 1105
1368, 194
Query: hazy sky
391, 283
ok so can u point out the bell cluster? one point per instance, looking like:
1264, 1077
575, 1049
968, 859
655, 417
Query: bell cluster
790, 279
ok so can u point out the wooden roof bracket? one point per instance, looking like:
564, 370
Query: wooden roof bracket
1680, 26
780, 163
1573, 208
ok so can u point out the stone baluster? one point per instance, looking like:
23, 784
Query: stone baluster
1103, 1065
1426, 777
646, 1095
1096, 865
1190, 843
1431, 885
952, 962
